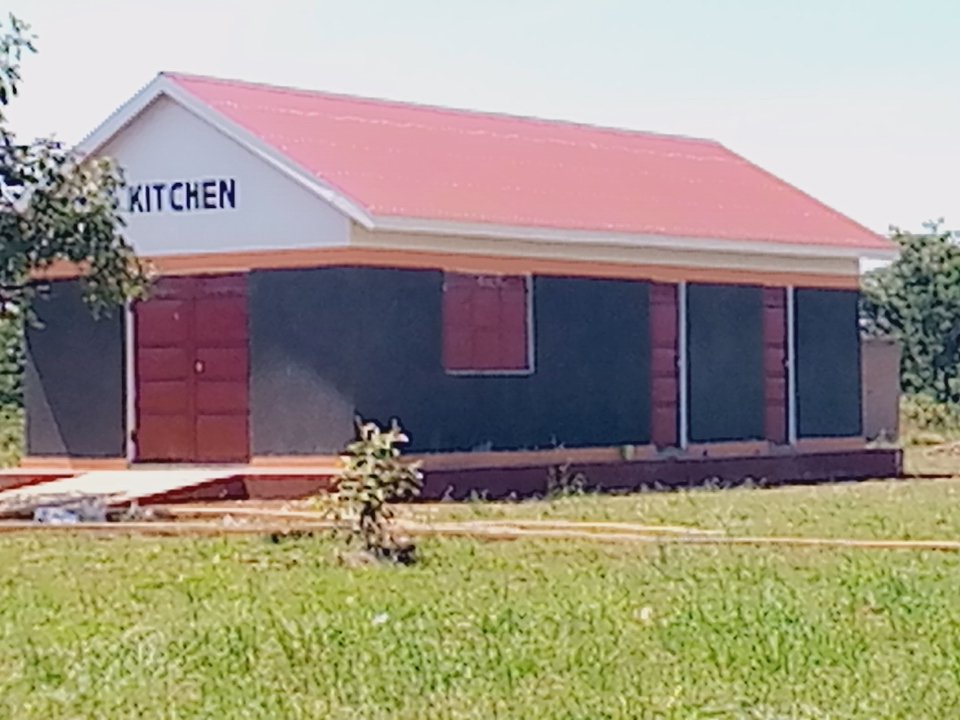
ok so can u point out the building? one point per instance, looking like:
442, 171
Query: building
513, 290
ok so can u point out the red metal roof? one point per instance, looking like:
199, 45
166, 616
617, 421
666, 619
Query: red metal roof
412, 161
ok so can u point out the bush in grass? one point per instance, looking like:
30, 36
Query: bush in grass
373, 475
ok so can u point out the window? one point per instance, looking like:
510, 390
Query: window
486, 324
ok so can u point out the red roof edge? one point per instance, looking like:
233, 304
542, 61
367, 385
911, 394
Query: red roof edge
886, 241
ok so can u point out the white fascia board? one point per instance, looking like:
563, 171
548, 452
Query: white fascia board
162, 85
121, 117
586, 237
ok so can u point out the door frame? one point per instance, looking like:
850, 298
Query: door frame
130, 381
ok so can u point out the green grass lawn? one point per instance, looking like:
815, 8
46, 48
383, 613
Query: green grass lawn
239, 627
187, 628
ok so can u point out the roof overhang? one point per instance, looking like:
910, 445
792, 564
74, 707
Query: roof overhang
667, 242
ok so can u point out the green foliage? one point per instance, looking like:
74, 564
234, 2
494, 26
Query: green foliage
56, 207
11, 436
916, 300
11, 362
924, 421
241, 628
374, 475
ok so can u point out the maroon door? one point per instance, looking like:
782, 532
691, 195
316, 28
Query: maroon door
192, 390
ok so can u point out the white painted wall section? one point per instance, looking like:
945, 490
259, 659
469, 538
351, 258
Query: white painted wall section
191, 189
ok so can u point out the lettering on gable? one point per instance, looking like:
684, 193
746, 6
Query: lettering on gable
182, 196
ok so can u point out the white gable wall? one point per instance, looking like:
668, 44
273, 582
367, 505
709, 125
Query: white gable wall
169, 146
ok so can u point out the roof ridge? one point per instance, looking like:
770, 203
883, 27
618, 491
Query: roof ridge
441, 108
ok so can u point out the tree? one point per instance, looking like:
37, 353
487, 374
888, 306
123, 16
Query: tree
11, 361
55, 207
916, 300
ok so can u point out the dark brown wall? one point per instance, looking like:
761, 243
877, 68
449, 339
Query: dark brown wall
73, 383
672, 473
331, 341
775, 364
664, 396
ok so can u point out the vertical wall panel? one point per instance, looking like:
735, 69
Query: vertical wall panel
663, 365
880, 360
828, 363
725, 362
774, 364
74, 379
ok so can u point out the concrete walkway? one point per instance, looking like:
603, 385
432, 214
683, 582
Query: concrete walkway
114, 486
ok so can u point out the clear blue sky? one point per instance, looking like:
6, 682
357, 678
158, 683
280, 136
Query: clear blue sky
855, 101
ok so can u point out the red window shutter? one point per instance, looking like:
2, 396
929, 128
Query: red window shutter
457, 322
513, 324
485, 323
486, 350
486, 307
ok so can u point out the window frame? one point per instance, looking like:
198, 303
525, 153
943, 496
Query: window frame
531, 367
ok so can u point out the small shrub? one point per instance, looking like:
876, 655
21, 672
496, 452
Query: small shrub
373, 476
